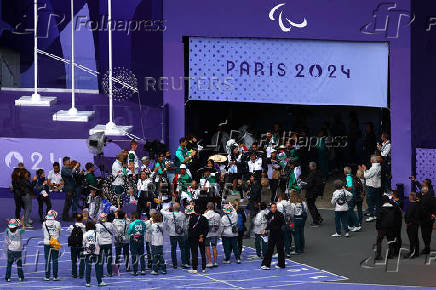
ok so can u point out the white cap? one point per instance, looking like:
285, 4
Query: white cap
183, 166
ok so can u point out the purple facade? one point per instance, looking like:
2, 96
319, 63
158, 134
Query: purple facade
328, 20
155, 54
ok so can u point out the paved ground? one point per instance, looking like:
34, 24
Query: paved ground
345, 256
339, 259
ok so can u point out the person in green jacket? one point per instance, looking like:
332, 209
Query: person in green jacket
137, 231
292, 179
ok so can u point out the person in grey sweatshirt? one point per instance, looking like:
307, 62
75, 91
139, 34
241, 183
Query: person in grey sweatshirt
121, 226
175, 223
214, 220
229, 227
105, 230
340, 199
260, 224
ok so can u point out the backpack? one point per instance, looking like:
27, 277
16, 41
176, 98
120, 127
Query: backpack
177, 228
287, 216
90, 249
240, 222
342, 199
301, 219
76, 237
120, 238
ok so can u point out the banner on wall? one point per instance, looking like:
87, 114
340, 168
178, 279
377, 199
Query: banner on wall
39, 153
284, 71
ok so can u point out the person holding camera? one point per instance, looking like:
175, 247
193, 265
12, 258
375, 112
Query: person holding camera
373, 186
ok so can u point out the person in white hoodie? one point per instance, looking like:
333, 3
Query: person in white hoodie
157, 231
260, 223
175, 223
121, 226
105, 231
214, 220
284, 207
340, 199
229, 226
51, 229
91, 246
373, 186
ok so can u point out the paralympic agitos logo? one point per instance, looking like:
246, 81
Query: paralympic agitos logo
285, 23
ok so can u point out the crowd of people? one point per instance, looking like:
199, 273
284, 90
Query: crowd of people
198, 202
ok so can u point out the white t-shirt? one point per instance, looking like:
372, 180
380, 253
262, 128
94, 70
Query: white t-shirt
54, 228
157, 234
55, 178
14, 240
91, 238
255, 166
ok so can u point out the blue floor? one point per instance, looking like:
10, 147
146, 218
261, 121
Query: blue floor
244, 276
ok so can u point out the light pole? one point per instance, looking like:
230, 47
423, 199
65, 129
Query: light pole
73, 115
110, 129
36, 99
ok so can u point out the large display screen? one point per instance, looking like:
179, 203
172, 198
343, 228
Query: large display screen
307, 72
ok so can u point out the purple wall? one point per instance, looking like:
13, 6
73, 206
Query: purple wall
332, 20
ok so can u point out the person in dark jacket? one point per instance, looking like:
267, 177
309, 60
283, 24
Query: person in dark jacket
398, 203
413, 218
428, 203
15, 187
198, 229
276, 222
254, 194
42, 193
69, 187
369, 143
241, 223
314, 188
26, 189
386, 226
